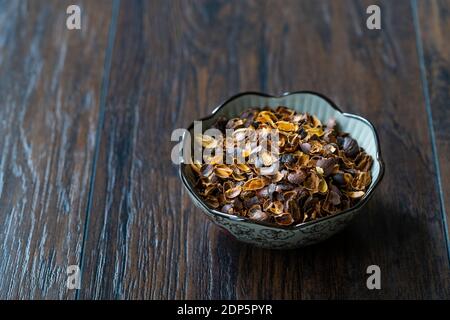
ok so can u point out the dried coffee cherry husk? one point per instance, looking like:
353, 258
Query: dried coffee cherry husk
350, 147
327, 165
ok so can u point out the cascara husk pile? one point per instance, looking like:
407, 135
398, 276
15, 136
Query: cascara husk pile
321, 171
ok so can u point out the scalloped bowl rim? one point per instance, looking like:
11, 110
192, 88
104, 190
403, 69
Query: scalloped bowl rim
298, 226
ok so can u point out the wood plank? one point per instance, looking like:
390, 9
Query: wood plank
434, 22
49, 87
172, 63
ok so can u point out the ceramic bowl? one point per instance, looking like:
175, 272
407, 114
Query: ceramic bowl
267, 235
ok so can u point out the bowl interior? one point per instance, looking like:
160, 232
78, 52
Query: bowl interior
359, 128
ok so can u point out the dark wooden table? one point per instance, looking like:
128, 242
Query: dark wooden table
85, 123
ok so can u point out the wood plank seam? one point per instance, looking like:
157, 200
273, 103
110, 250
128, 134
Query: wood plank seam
101, 118
426, 96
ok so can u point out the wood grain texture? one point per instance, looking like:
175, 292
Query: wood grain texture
434, 22
49, 87
172, 63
